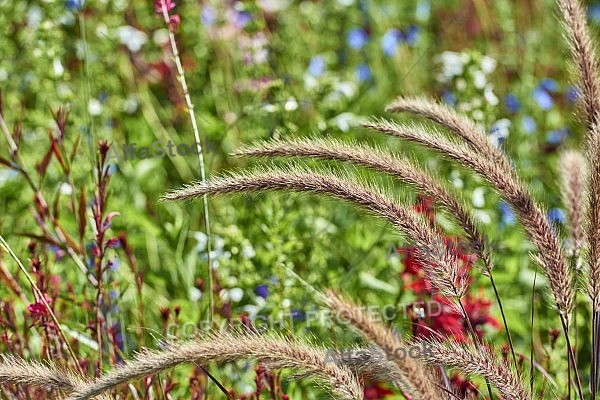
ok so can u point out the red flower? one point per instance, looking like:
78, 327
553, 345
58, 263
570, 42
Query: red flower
38, 309
373, 391
478, 309
413, 268
450, 323
462, 387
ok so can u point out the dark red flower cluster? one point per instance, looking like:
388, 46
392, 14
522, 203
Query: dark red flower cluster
375, 391
449, 321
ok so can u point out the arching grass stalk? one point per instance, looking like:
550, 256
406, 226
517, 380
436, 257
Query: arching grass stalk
190, 107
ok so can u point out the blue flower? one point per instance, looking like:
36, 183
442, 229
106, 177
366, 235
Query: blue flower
389, 41
556, 137
114, 264
74, 5
262, 291
508, 216
357, 38
529, 125
543, 99
208, 16
549, 85
241, 19
512, 103
411, 36
58, 252
316, 66
298, 315
363, 73
449, 98
594, 14
556, 215
572, 94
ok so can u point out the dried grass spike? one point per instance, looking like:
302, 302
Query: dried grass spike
573, 167
412, 376
482, 362
276, 352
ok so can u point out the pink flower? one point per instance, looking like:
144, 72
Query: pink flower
38, 309
174, 22
158, 5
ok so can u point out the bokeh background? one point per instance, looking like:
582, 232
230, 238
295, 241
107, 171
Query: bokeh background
258, 70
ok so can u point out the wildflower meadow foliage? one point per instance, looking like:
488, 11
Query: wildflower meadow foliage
463, 133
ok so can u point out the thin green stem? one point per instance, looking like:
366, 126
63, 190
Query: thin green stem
510, 341
87, 91
571, 359
190, 108
594, 366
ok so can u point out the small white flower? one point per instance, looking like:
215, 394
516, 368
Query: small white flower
65, 189
195, 294
291, 104
452, 65
252, 310
130, 105
456, 181
272, 6
248, 252
479, 79
347, 88
489, 95
95, 108
235, 294
3, 74
346, 120
461, 84
58, 67
219, 243
34, 16
478, 199
488, 64
132, 38
269, 108
201, 240
102, 31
